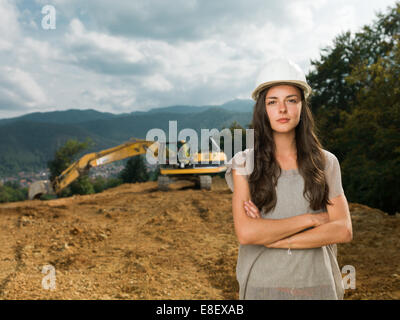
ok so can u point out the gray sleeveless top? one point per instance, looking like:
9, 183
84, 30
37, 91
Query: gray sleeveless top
274, 273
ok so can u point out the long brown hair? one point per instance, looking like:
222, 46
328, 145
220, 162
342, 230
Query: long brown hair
310, 159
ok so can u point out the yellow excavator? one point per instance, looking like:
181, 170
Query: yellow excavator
198, 168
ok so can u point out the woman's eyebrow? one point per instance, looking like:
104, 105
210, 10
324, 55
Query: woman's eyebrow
292, 95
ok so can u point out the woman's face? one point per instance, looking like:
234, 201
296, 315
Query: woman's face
283, 101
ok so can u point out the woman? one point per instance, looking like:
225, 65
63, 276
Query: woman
288, 204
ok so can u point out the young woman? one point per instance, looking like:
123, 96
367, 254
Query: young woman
288, 204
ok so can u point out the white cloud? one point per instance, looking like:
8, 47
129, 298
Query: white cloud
121, 56
120, 99
9, 26
33, 49
20, 89
126, 50
9, 19
302, 16
158, 83
155, 62
5, 45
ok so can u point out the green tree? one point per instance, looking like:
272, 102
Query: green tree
234, 126
153, 175
12, 191
113, 182
135, 170
332, 92
371, 134
64, 157
99, 184
82, 185
356, 105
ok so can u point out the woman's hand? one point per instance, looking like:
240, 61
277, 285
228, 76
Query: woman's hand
320, 218
251, 209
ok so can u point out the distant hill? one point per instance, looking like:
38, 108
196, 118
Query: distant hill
77, 115
27, 145
29, 141
123, 128
236, 105
64, 116
239, 105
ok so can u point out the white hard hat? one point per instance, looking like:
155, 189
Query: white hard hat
281, 71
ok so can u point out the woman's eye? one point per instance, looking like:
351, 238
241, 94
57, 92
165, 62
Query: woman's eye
293, 100
271, 102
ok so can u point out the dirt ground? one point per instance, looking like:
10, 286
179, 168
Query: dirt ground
135, 242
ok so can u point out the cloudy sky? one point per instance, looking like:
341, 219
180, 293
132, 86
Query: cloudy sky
123, 56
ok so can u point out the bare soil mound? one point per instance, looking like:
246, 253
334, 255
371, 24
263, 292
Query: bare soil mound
135, 242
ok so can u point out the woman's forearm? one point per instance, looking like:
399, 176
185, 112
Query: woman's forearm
325, 234
262, 231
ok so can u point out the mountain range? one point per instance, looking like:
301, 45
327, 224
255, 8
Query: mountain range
27, 142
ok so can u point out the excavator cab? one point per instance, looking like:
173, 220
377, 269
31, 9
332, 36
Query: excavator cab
181, 155
198, 168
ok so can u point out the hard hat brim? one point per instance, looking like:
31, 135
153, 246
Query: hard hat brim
303, 85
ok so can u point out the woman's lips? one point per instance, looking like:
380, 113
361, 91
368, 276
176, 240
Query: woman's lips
283, 120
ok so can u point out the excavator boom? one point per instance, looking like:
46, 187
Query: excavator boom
90, 160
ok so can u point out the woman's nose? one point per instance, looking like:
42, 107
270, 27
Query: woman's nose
282, 106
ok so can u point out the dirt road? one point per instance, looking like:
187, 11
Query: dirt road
135, 242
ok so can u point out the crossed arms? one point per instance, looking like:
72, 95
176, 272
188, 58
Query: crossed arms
333, 226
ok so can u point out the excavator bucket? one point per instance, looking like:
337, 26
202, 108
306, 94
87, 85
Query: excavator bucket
38, 188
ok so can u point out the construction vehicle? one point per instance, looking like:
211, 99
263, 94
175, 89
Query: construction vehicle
198, 168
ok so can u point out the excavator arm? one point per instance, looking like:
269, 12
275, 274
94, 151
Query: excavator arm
90, 160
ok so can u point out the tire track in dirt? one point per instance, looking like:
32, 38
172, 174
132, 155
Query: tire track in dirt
19, 264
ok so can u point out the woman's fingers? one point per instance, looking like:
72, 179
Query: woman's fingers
248, 211
257, 212
251, 209
254, 209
